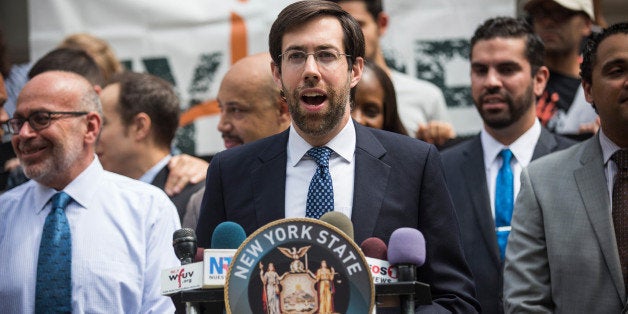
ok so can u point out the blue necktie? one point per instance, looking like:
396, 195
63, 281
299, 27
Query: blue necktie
504, 196
320, 196
53, 293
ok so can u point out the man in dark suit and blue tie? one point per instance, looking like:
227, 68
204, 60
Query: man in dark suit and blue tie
507, 74
383, 181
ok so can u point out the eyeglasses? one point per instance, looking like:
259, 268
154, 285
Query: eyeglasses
325, 57
38, 120
556, 14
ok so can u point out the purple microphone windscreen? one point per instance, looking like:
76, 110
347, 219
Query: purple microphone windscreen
406, 246
340, 221
228, 235
374, 248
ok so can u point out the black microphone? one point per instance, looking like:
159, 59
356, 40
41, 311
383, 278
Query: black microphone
184, 243
406, 250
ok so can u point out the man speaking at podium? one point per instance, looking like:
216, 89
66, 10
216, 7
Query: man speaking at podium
325, 161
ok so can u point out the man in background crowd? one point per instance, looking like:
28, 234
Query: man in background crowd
507, 74
141, 116
77, 238
562, 25
251, 108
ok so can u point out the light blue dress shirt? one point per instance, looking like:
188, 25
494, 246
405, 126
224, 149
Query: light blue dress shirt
121, 240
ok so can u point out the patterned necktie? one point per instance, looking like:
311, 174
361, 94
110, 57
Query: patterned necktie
504, 194
620, 209
53, 293
320, 196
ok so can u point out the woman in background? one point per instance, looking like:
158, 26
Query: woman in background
376, 102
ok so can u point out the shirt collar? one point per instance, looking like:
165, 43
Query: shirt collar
342, 144
81, 189
150, 175
520, 147
608, 147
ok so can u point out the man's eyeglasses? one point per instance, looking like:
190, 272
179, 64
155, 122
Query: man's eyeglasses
38, 120
325, 57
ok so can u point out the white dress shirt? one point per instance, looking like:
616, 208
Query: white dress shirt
300, 169
121, 240
522, 151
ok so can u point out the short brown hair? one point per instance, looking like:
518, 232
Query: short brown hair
301, 12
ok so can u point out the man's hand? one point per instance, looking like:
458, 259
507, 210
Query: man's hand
184, 170
436, 132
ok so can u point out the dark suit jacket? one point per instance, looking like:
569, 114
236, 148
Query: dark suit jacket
398, 183
466, 179
180, 200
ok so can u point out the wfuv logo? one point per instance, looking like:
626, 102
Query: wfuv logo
181, 276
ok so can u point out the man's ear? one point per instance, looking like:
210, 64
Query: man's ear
540, 80
586, 86
141, 126
356, 71
382, 23
276, 70
94, 125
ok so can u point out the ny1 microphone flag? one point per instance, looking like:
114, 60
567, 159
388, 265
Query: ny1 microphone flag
299, 265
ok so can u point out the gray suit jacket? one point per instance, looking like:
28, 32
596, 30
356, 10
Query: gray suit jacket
466, 179
562, 254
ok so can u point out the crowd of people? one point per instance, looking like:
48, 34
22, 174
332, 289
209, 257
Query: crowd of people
522, 217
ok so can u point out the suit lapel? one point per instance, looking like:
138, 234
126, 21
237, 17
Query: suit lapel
591, 182
545, 145
269, 199
371, 180
474, 174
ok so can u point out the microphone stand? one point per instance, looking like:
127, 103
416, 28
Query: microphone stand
406, 272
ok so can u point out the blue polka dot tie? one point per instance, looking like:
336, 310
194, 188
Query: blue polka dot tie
320, 196
504, 196
53, 293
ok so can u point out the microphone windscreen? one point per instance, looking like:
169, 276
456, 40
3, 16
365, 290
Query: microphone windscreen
184, 243
406, 246
374, 248
228, 235
185, 234
340, 221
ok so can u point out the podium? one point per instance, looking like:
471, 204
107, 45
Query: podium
215, 297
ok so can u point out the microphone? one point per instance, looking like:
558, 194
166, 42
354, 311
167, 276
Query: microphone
376, 254
374, 248
183, 278
340, 221
226, 239
406, 250
228, 235
184, 243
